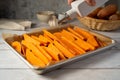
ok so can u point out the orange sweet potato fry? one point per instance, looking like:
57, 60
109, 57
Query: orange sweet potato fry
59, 35
75, 33
34, 60
43, 39
65, 52
36, 51
17, 46
29, 39
47, 37
57, 51
50, 35
52, 53
93, 41
82, 32
35, 37
44, 52
89, 37
67, 35
73, 46
84, 45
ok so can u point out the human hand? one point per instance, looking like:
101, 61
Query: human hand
70, 1
89, 2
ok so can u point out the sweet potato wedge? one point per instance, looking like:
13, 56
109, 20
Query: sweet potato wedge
29, 39
84, 45
44, 52
75, 33
36, 51
68, 35
44, 39
54, 55
65, 52
89, 37
50, 35
59, 35
57, 51
71, 45
17, 46
34, 60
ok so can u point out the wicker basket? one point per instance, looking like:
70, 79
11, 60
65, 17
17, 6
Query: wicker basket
102, 25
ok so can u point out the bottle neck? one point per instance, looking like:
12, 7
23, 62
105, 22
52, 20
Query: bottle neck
71, 13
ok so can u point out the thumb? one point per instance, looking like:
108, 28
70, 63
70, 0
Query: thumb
91, 2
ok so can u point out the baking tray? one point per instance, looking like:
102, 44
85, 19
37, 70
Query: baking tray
8, 38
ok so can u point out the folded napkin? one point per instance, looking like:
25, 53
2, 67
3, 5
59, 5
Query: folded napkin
15, 24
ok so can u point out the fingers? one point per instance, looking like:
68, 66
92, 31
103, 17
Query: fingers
91, 2
70, 1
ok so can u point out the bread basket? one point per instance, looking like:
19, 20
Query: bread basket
99, 24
